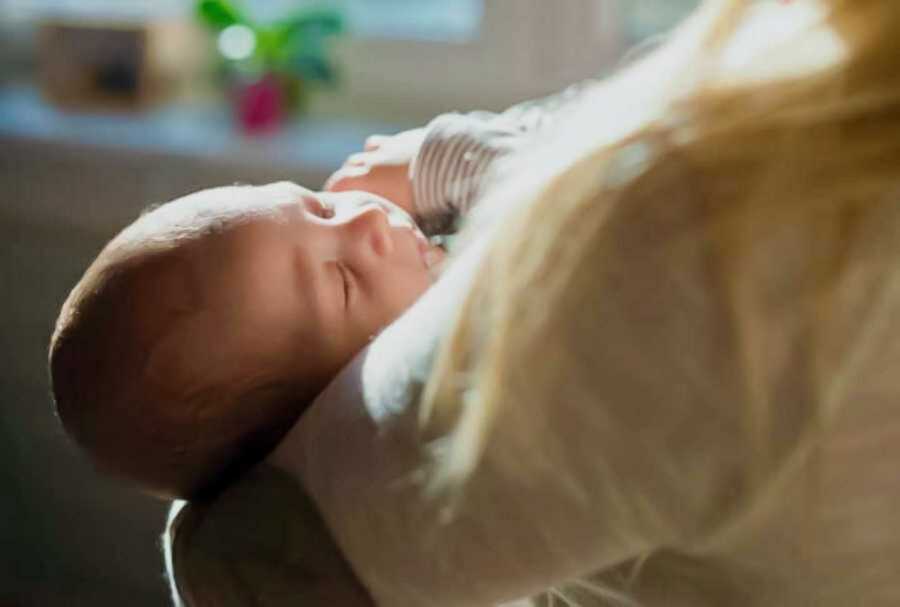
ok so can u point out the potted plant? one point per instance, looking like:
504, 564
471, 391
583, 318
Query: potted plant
271, 66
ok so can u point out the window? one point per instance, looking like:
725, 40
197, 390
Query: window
435, 20
414, 58
458, 20
644, 18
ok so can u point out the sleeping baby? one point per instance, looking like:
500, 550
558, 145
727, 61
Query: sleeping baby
203, 330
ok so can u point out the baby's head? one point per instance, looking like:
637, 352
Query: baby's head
203, 330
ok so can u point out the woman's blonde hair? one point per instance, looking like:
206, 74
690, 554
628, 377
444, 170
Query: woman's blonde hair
760, 146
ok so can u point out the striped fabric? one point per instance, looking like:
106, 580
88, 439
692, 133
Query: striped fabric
452, 164
458, 151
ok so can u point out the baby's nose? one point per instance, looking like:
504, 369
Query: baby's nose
371, 227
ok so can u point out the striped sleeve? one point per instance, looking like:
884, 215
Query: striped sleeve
458, 151
452, 164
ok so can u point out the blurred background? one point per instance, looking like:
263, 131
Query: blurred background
107, 106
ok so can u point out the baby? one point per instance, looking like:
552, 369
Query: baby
203, 330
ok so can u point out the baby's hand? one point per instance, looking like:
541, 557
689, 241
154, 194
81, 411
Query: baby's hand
382, 168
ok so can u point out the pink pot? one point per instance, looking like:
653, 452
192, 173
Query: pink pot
260, 105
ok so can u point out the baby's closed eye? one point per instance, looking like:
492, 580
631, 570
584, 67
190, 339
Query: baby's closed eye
347, 282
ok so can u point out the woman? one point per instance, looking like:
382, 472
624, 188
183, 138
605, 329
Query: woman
668, 380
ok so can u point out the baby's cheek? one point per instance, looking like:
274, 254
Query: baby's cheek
408, 289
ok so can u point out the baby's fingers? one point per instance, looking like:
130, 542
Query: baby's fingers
374, 142
358, 159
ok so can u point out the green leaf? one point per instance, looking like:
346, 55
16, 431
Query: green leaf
314, 69
219, 14
315, 21
267, 44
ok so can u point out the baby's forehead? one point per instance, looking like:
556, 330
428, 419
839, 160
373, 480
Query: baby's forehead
225, 205
239, 195
201, 217
216, 240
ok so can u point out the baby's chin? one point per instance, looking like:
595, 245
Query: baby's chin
434, 261
426, 254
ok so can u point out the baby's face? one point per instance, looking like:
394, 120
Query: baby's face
297, 282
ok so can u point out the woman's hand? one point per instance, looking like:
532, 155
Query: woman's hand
382, 168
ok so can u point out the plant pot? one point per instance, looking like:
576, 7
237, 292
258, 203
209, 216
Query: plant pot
261, 104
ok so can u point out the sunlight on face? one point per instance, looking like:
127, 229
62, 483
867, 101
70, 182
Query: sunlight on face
297, 280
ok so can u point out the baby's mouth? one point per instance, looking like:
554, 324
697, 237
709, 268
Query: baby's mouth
431, 255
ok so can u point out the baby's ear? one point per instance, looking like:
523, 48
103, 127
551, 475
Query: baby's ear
176, 362
166, 303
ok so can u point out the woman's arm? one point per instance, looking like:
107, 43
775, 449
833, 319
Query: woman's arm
359, 453
362, 457
607, 442
260, 542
